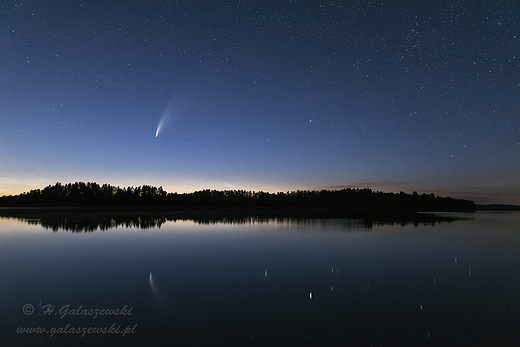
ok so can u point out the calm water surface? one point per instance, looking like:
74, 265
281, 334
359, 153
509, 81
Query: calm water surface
279, 282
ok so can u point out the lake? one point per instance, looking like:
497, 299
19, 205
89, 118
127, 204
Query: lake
261, 282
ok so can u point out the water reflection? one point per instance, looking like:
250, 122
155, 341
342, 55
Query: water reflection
77, 221
267, 282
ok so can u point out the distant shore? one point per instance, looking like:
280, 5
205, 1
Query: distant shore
346, 201
81, 207
267, 212
497, 207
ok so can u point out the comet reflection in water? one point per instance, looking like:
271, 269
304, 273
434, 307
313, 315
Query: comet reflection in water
157, 292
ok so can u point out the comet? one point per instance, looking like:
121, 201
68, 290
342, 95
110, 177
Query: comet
165, 117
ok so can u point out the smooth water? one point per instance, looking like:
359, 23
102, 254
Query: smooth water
277, 282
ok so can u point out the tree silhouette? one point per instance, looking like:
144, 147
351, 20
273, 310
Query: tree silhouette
90, 194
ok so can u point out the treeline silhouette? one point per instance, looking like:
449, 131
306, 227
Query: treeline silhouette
91, 194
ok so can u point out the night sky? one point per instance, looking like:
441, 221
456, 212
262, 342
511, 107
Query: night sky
264, 95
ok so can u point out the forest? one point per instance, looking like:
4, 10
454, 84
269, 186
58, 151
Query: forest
91, 194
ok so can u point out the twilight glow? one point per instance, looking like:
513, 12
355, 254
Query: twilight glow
270, 96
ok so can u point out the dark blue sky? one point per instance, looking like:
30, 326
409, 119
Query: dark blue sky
263, 95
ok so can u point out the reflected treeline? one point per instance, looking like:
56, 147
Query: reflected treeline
90, 220
80, 220
361, 220
78, 225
